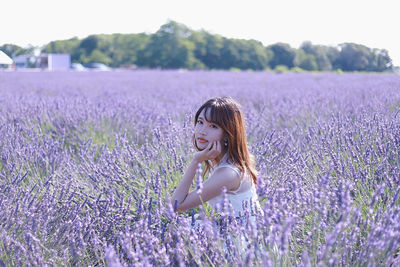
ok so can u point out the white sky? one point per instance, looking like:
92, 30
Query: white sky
374, 23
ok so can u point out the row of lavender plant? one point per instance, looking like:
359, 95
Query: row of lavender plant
89, 160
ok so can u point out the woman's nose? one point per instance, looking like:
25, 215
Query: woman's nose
202, 130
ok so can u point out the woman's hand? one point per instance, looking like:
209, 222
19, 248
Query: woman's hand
209, 153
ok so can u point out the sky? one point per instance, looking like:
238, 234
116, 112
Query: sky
373, 23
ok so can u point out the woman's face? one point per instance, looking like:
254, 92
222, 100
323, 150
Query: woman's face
206, 132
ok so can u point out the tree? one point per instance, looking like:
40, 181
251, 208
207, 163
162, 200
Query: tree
306, 61
170, 48
283, 54
230, 54
124, 48
380, 60
209, 51
176, 46
356, 57
63, 47
332, 54
98, 56
12, 50
252, 55
89, 44
353, 57
318, 54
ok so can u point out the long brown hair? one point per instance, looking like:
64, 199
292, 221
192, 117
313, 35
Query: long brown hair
227, 114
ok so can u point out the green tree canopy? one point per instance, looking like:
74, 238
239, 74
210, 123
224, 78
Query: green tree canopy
283, 54
64, 47
305, 60
380, 60
170, 48
174, 45
89, 43
317, 53
208, 49
12, 50
353, 57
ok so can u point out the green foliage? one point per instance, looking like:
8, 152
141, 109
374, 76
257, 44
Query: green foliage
12, 50
305, 61
66, 46
281, 69
316, 57
356, 57
208, 50
339, 71
380, 60
98, 56
297, 69
233, 69
124, 48
89, 44
175, 46
170, 48
283, 54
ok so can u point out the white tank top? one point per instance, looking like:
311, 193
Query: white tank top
244, 198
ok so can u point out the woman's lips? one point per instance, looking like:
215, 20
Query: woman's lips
201, 140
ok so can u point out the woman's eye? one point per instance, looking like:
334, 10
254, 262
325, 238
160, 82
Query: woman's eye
214, 126
199, 122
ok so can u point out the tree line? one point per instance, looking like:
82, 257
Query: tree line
174, 46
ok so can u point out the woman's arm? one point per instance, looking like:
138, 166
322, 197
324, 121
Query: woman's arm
210, 152
223, 177
183, 188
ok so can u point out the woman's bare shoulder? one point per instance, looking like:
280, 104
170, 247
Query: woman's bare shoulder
228, 175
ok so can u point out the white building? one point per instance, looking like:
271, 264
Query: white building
54, 62
5, 60
51, 62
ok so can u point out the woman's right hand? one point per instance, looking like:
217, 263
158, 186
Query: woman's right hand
209, 153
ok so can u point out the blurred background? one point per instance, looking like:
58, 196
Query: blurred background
284, 35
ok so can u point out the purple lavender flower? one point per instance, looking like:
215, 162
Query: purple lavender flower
87, 161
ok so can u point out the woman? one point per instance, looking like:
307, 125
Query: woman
220, 139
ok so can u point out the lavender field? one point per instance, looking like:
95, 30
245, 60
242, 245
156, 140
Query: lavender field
88, 159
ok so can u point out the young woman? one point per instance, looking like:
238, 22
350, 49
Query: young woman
220, 139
